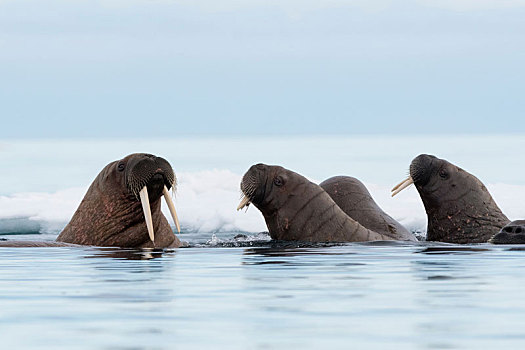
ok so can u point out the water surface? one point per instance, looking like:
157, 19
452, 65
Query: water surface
264, 296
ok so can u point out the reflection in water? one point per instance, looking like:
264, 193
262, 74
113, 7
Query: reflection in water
106, 296
454, 250
457, 288
129, 253
271, 255
518, 248
379, 295
287, 251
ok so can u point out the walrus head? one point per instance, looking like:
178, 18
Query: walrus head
125, 195
264, 186
513, 233
459, 207
285, 200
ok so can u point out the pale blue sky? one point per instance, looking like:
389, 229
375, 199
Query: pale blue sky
121, 68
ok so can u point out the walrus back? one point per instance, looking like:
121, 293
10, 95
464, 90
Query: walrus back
355, 200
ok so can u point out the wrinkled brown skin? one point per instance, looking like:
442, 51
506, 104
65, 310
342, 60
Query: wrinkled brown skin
352, 196
110, 215
459, 207
512, 233
296, 209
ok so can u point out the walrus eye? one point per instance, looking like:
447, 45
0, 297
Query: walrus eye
278, 181
443, 174
121, 167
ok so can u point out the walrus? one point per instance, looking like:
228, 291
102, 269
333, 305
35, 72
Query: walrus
459, 207
122, 207
512, 233
352, 196
296, 209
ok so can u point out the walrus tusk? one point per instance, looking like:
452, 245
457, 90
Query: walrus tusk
402, 185
144, 199
244, 202
171, 206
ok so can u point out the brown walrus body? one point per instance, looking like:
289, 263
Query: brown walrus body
112, 214
297, 209
353, 198
459, 207
33, 244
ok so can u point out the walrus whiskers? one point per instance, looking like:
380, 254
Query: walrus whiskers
402, 185
171, 207
248, 188
144, 199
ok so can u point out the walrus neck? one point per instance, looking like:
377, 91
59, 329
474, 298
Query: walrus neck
465, 221
313, 216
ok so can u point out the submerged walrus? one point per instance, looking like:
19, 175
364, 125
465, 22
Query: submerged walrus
122, 207
459, 207
297, 209
512, 233
352, 196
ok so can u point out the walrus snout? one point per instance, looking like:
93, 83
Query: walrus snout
421, 169
157, 182
144, 169
149, 177
420, 172
250, 184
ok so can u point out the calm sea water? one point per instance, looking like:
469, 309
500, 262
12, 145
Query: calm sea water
251, 293
362, 296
